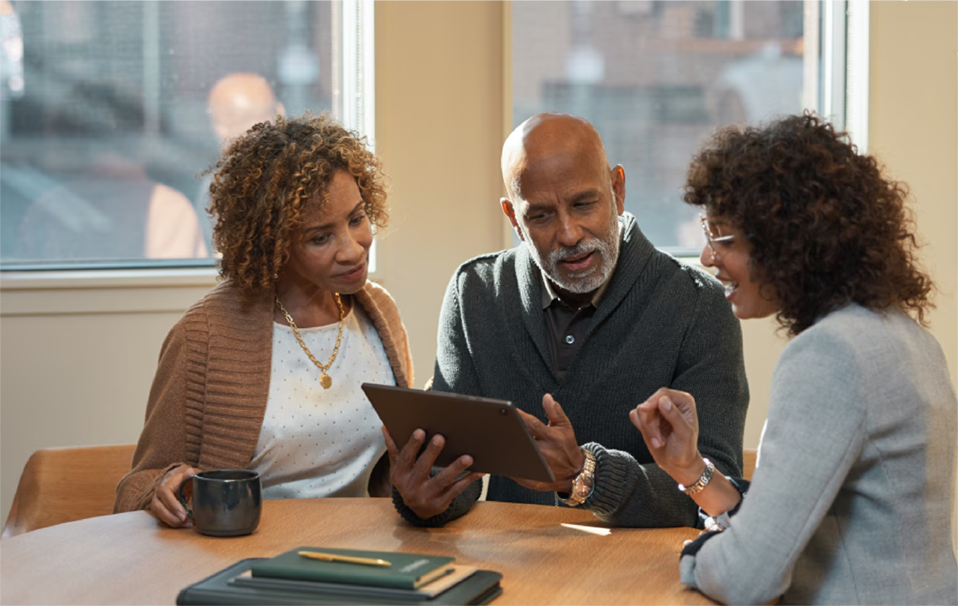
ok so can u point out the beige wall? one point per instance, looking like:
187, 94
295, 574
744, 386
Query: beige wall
913, 129
77, 359
439, 129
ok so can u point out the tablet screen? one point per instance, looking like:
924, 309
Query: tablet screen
490, 431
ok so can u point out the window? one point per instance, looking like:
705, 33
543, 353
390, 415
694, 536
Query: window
657, 77
109, 112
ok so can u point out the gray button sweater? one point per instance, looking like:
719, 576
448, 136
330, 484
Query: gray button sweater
659, 324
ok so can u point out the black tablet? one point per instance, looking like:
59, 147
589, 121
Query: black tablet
490, 431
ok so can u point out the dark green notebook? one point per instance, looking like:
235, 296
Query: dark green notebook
222, 588
406, 570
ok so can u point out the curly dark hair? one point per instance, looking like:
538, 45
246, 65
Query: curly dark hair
826, 228
264, 180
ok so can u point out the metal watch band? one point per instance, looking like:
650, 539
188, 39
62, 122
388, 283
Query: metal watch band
585, 477
702, 482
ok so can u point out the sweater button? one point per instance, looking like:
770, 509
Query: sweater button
569, 339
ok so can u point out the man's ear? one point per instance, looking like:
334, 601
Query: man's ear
618, 187
510, 212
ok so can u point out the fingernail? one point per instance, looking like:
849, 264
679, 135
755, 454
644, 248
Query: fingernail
436, 440
666, 404
419, 434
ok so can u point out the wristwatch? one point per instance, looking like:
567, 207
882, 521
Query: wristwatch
583, 483
702, 482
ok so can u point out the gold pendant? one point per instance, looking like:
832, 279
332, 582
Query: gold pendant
325, 381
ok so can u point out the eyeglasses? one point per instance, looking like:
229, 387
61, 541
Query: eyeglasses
711, 238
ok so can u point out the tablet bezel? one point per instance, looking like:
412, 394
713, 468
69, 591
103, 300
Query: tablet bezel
490, 431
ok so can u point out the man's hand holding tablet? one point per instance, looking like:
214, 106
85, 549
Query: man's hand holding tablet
410, 474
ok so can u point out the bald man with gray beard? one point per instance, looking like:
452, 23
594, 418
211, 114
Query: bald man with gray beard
576, 326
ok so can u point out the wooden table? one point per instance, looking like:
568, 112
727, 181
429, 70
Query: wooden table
131, 559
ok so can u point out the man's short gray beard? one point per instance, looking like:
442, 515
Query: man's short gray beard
589, 280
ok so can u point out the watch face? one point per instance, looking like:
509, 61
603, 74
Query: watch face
582, 487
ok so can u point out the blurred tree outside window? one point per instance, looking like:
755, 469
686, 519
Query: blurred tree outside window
657, 77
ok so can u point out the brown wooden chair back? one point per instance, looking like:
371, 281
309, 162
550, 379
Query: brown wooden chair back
65, 484
749, 457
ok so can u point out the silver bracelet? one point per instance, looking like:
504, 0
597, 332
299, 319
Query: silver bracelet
702, 481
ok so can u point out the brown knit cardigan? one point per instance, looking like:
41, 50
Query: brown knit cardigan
209, 394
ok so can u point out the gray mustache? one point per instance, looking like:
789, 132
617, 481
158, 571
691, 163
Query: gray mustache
581, 248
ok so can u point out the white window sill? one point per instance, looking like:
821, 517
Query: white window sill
108, 278
44, 293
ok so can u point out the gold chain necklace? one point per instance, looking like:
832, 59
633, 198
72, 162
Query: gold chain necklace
325, 380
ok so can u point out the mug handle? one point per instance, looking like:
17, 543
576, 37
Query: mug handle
189, 511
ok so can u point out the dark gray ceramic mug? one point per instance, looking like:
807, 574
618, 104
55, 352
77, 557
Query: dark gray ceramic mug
226, 502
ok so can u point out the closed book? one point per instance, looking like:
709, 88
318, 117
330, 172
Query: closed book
426, 592
404, 570
227, 587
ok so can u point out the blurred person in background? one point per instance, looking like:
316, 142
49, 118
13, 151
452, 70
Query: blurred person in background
236, 102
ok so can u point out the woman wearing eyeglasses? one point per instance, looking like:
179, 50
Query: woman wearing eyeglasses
265, 371
852, 500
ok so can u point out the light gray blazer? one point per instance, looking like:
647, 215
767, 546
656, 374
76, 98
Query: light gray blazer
852, 501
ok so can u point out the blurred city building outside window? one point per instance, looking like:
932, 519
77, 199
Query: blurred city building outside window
657, 77
111, 110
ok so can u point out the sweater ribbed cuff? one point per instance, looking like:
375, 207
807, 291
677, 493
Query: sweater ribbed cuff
611, 481
458, 508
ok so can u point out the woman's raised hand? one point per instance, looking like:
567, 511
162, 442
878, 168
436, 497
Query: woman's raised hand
670, 428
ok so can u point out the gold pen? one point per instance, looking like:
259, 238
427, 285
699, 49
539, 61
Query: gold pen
335, 557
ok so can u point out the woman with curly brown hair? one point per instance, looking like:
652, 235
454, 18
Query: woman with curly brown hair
852, 501
264, 372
